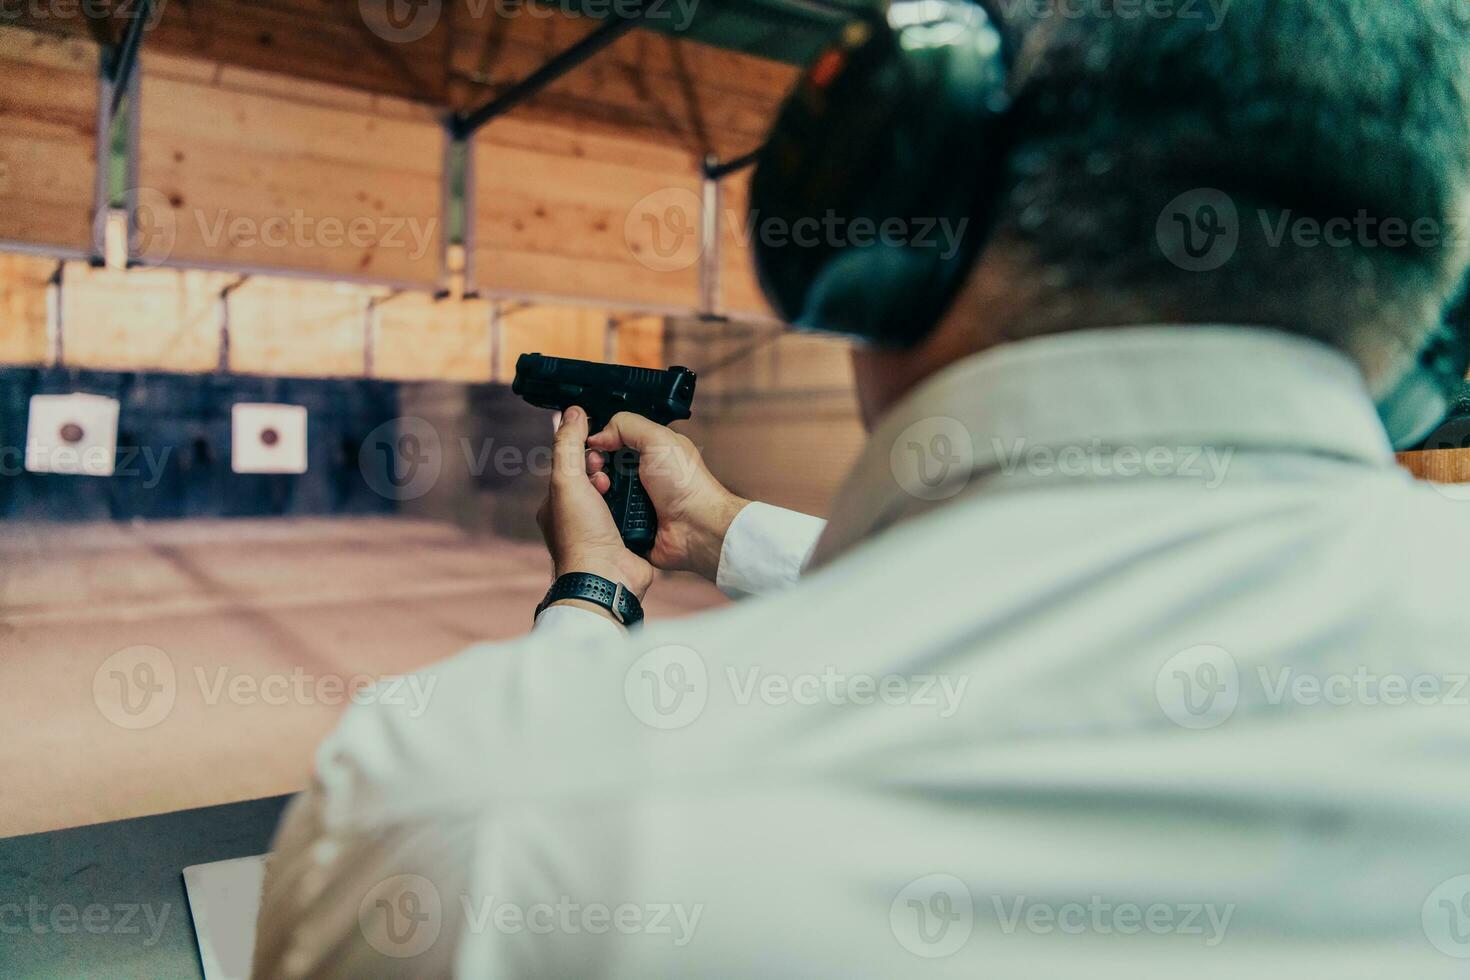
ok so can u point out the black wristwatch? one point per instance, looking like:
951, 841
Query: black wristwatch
612, 596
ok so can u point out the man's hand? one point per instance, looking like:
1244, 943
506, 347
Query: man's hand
694, 509
575, 521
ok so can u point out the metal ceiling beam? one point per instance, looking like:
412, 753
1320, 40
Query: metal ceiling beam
718, 171
618, 24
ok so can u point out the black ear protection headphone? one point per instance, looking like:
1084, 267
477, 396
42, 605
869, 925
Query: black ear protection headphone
912, 115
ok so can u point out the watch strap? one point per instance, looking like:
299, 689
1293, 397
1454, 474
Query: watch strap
612, 596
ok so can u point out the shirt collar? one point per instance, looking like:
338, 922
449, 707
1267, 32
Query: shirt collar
1148, 397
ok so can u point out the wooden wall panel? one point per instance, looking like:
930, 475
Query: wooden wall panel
775, 412
560, 331
310, 182
169, 320
48, 139
299, 328
322, 40
24, 281
141, 319
639, 341
785, 450
755, 358
700, 98
740, 292
583, 216
247, 168
675, 91
416, 338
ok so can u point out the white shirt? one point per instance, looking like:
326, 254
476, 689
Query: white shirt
1126, 654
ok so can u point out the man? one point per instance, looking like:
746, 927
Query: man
1128, 651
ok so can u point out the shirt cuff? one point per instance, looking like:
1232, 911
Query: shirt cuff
765, 550
573, 624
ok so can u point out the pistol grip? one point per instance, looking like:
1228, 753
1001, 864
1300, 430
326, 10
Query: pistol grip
632, 511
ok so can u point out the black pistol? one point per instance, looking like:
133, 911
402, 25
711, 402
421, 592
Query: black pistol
602, 391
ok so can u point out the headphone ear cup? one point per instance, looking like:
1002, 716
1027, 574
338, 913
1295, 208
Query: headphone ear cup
864, 292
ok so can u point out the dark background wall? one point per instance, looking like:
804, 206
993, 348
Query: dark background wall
174, 448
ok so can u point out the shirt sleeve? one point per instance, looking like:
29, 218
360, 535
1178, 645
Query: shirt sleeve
766, 550
429, 792
340, 902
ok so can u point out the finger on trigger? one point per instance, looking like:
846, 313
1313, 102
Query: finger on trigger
627, 429
596, 462
602, 483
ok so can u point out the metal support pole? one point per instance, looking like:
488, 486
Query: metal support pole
371, 324
495, 341
223, 364
121, 63
458, 210
115, 196
55, 344
709, 250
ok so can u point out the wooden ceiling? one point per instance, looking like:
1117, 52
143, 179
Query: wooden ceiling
675, 91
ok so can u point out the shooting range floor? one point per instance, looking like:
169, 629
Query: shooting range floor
236, 607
